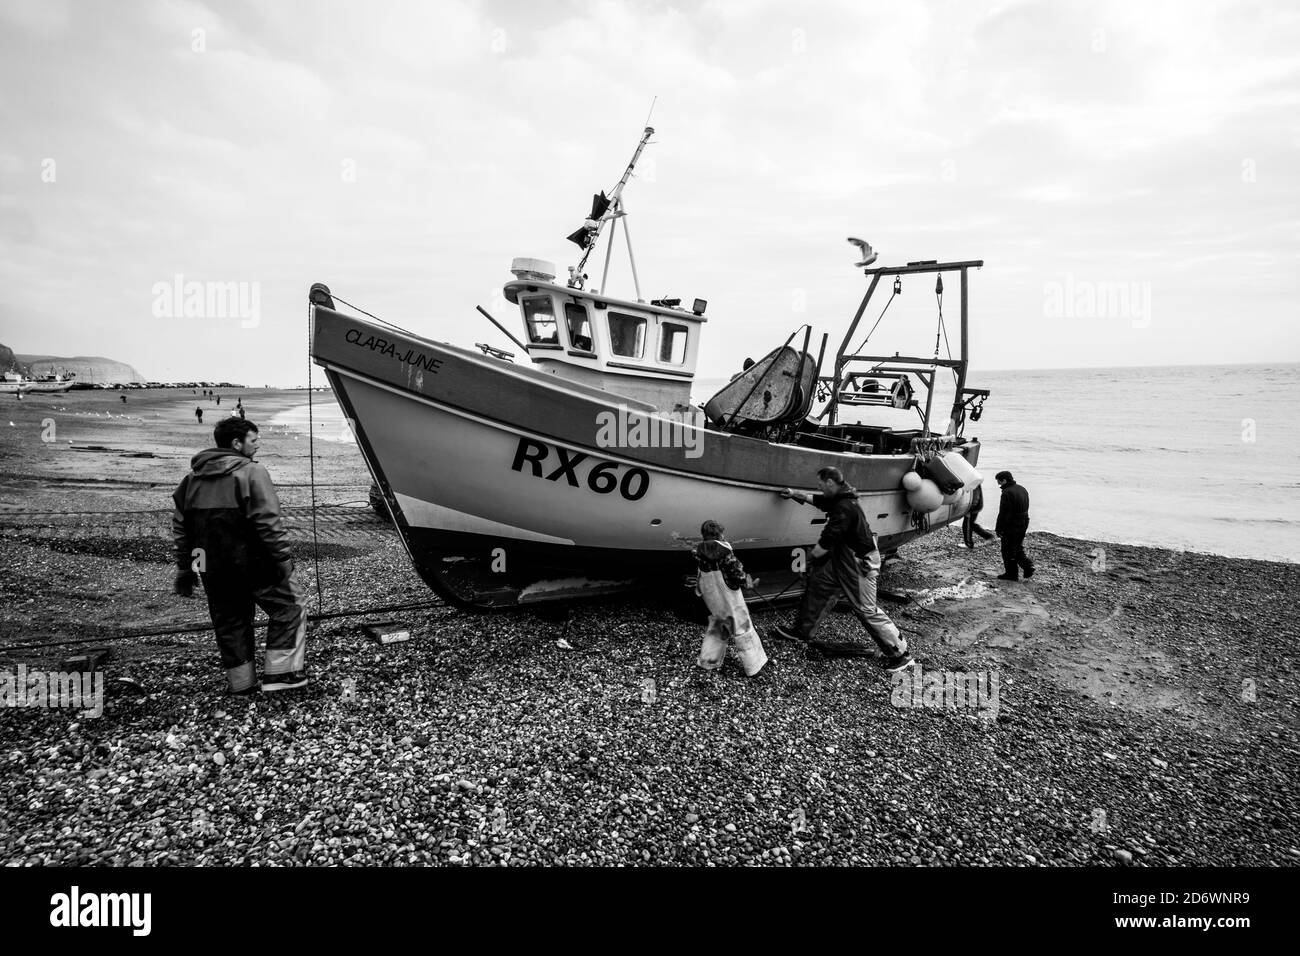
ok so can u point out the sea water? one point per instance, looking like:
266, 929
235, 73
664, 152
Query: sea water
324, 415
1203, 458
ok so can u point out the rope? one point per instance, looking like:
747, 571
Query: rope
311, 429
944, 329
873, 328
759, 594
939, 297
338, 298
18, 513
33, 514
311, 463
198, 628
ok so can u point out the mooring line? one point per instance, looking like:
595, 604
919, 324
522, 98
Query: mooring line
200, 627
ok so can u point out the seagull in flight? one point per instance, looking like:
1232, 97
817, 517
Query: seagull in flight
868, 254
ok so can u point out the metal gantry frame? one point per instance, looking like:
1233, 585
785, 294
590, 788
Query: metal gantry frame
894, 366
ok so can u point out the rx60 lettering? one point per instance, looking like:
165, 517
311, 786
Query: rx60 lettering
602, 476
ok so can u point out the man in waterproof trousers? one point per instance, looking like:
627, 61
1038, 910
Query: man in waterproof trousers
845, 562
227, 528
1013, 522
970, 524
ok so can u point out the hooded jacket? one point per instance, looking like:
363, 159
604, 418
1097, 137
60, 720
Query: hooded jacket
227, 506
846, 525
714, 555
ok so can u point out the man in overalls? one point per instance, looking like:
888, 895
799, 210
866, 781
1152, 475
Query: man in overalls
227, 526
845, 562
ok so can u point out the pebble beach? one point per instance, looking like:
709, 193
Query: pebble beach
1146, 711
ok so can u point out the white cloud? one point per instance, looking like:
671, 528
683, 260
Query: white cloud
1160, 147
37, 18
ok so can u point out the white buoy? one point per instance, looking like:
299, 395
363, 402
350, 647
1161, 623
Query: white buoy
925, 498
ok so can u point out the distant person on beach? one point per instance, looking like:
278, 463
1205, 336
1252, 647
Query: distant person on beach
198, 413
227, 527
1013, 523
970, 524
123, 399
720, 578
845, 561
218, 399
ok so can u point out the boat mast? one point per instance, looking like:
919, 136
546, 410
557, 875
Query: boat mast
614, 213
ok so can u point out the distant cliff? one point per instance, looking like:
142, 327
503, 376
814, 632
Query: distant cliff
88, 368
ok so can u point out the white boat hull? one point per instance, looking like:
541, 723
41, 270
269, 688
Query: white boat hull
493, 502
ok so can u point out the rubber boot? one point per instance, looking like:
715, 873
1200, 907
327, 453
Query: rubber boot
748, 648
713, 651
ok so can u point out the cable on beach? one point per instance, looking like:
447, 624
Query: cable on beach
200, 627
311, 463
18, 513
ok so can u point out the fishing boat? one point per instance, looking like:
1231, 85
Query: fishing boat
579, 464
15, 382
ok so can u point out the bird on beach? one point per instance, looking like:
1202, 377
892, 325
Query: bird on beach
868, 254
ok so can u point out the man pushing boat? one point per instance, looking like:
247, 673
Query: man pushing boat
845, 562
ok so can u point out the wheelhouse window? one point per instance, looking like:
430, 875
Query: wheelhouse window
575, 316
672, 343
539, 317
627, 335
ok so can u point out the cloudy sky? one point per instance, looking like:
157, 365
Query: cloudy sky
1128, 170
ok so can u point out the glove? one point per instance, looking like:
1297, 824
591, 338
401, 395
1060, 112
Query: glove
184, 583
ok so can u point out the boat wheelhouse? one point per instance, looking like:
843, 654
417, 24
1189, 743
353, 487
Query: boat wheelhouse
647, 352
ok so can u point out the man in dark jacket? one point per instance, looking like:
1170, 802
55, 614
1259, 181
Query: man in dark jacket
845, 562
227, 528
1013, 522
